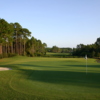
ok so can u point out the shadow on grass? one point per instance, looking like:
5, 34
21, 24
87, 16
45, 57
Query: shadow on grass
58, 77
95, 66
63, 77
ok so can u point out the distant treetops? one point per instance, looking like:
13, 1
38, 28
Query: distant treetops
92, 50
14, 40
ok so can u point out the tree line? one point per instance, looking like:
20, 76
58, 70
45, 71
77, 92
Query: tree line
14, 40
56, 49
92, 50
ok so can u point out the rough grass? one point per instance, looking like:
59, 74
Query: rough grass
49, 79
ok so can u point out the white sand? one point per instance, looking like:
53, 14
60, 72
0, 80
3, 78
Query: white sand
3, 68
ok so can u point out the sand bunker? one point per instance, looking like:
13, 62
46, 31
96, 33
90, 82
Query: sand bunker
3, 68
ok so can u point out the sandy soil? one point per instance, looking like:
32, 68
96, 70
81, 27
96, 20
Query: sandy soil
3, 68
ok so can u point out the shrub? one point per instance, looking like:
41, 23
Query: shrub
5, 55
1, 56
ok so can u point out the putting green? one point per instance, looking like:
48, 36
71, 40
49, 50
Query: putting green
51, 78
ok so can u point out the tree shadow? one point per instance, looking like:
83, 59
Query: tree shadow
63, 77
58, 77
95, 66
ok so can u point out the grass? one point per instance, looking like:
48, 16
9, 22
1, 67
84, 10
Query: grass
58, 55
49, 79
51, 53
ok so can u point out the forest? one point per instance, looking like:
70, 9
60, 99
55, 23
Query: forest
91, 50
56, 49
16, 40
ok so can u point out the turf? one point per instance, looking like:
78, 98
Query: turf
49, 79
58, 55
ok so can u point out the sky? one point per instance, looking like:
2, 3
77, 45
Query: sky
62, 23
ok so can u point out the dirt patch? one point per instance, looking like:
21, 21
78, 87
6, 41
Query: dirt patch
3, 68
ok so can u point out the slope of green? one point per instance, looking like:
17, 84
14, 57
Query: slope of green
49, 79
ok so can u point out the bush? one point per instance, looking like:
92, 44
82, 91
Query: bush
1, 56
11, 54
5, 55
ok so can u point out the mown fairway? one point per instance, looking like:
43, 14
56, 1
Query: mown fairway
49, 79
58, 55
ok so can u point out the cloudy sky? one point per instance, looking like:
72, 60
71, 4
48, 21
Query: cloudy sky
64, 23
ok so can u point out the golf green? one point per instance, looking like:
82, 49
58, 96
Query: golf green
41, 78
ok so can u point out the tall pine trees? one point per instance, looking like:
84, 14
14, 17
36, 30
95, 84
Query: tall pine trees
15, 40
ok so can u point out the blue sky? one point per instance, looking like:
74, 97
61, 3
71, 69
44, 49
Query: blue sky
64, 23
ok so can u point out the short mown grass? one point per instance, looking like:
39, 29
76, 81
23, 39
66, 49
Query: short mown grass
58, 55
41, 78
